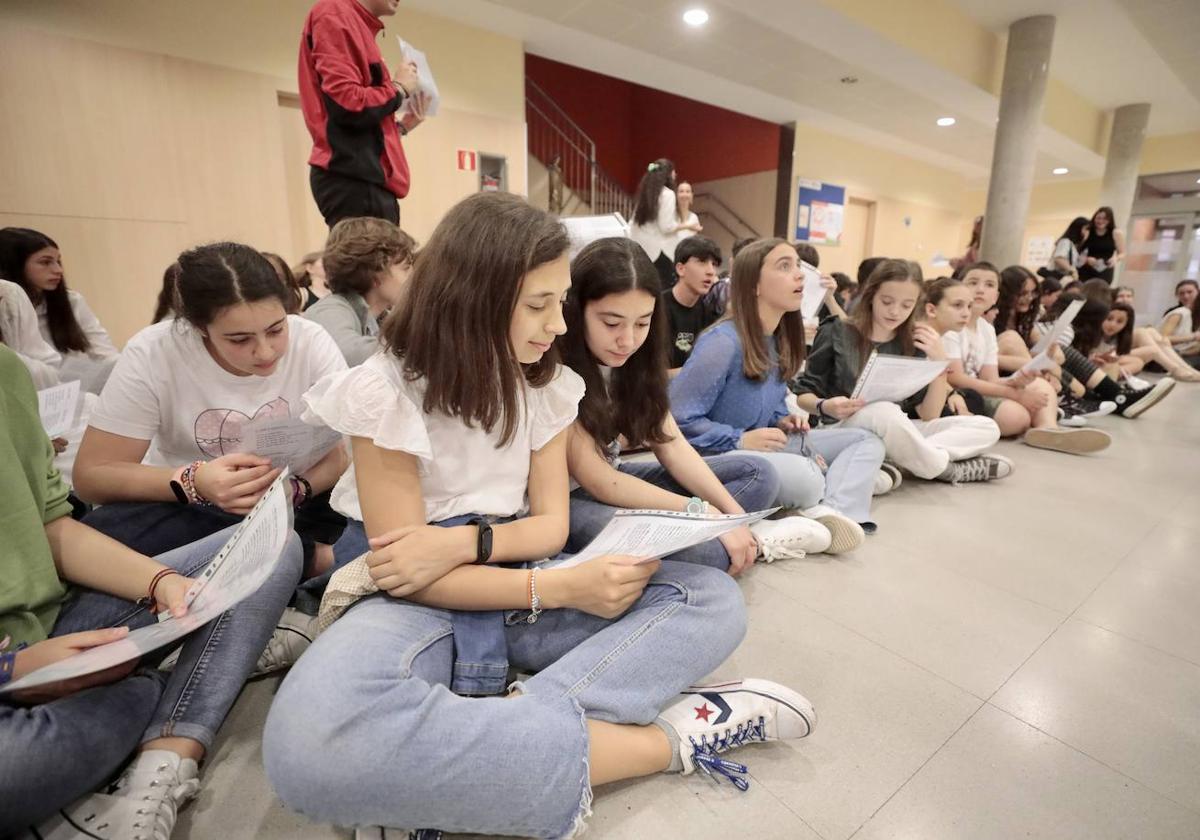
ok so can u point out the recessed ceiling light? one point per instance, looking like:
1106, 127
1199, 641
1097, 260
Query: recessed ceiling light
1060, 170
695, 17
946, 121
1198, 180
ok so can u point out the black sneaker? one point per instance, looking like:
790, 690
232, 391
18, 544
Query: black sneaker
1131, 404
1074, 411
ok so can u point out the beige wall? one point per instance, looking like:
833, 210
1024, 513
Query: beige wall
126, 155
750, 196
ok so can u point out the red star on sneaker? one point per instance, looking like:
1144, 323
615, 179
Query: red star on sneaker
702, 712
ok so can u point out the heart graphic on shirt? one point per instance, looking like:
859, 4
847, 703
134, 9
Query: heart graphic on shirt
219, 428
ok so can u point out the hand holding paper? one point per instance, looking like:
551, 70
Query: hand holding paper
888, 378
425, 82
814, 292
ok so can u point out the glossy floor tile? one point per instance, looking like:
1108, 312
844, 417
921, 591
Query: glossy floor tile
1011, 660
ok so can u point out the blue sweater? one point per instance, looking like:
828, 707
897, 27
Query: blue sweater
712, 400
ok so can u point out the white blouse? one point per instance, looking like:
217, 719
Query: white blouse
102, 346
657, 235
19, 326
1183, 328
463, 469
692, 220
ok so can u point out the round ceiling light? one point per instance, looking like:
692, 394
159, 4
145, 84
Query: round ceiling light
1060, 170
695, 17
946, 121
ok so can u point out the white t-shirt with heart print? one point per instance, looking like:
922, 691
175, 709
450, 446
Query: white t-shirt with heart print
167, 389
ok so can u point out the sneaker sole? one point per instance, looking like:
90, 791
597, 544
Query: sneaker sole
781, 694
1071, 441
894, 472
1161, 389
846, 533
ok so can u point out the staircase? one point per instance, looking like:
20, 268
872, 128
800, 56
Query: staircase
564, 176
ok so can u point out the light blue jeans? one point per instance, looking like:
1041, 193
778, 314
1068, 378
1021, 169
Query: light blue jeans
364, 730
52, 754
853, 456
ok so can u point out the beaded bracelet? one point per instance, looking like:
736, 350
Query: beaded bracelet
188, 480
535, 603
8, 663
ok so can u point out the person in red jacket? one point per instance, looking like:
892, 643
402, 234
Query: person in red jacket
349, 101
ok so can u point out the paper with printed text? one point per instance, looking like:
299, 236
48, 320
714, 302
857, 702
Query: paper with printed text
287, 441
57, 407
888, 378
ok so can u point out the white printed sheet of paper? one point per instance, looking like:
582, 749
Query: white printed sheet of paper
888, 378
814, 292
425, 82
287, 441
1041, 351
584, 230
650, 534
238, 570
58, 407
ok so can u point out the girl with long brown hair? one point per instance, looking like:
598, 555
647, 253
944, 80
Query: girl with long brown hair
615, 324
916, 436
732, 395
462, 417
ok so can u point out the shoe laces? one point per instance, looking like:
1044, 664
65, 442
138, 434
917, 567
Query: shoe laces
973, 469
769, 552
160, 801
706, 750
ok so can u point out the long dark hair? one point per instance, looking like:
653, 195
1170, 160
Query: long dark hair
743, 298
165, 305
451, 327
634, 401
17, 245
1012, 281
1112, 219
213, 277
1088, 326
886, 271
658, 175
1124, 339
1075, 230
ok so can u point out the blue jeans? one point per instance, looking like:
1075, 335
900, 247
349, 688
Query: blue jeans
853, 457
52, 754
365, 732
751, 481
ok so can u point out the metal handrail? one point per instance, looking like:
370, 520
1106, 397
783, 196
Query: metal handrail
558, 108
717, 200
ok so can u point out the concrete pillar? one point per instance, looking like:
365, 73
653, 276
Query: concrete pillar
1124, 154
1026, 67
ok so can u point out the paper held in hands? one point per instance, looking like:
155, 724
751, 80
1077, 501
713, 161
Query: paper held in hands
814, 292
650, 534
1041, 351
58, 407
425, 82
287, 441
237, 571
888, 378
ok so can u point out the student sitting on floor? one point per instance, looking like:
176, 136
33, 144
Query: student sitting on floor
1181, 325
697, 259
449, 440
614, 341
1152, 348
1025, 403
367, 262
19, 331
67, 588
929, 446
732, 395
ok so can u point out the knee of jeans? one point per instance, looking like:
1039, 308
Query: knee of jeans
712, 592
765, 476
291, 562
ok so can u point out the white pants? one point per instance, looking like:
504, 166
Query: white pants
925, 447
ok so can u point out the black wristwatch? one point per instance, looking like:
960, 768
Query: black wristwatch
483, 543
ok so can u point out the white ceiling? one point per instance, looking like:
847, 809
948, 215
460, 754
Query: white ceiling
1116, 52
781, 60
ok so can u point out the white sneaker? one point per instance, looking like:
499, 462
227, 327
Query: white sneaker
142, 805
789, 538
883, 483
845, 534
1137, 383
293, 634
711, 719
893, 472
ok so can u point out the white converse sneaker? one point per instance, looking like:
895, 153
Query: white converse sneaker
711, 719
893, 472
883, 484
293, 634
142, 805
845, 534
789, 538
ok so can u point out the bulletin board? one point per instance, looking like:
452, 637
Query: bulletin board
820, 211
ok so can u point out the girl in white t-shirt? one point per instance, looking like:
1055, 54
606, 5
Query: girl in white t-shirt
1181, 326
164, 455
1149, 345
656, 221
1024, 403
33, 260
689, 222
454, 424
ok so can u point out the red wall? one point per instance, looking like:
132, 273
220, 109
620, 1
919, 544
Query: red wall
632, 125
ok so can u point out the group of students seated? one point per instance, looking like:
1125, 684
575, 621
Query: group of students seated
499, 403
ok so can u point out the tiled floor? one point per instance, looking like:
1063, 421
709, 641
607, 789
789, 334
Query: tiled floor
1016, 660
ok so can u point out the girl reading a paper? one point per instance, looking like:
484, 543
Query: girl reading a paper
917, 438
732, 395
462, 417
615, 342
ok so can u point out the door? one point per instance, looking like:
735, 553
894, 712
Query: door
1162, 250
